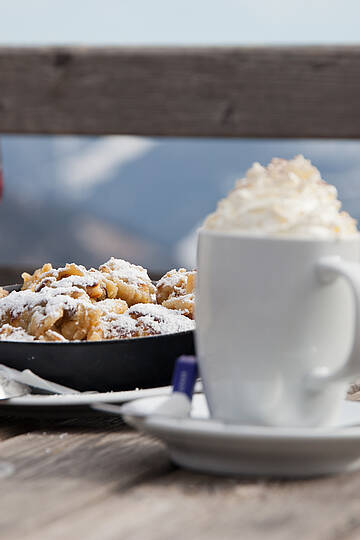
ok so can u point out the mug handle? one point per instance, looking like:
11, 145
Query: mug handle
328, 270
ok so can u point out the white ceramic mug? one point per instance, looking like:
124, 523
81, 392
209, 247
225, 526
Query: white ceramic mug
278, 326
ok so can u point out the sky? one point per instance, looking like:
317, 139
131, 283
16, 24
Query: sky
178, 22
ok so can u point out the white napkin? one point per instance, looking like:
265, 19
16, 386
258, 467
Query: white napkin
29, 378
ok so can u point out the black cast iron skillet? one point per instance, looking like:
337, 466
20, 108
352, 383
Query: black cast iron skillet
123, 364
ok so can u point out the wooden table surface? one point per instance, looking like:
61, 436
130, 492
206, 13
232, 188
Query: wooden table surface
94, 477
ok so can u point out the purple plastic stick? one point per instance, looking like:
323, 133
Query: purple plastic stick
185, 375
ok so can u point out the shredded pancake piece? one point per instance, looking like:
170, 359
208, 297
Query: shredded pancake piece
154, 319
132, 282
175, 290
3, 292
12, 333
112, 306
75, 317
70, 276
119, 326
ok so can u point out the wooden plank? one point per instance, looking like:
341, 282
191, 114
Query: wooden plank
221, 92
109, 482
57, 473
189, 505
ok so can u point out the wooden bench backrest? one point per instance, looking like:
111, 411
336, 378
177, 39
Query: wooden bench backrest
196, 92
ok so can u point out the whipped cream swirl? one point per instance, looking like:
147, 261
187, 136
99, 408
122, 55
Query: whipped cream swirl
284, 198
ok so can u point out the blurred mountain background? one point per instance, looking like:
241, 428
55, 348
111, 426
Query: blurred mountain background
85, 199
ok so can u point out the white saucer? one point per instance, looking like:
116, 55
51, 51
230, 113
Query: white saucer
206, 445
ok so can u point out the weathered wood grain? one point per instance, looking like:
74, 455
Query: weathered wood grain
106, 481
221, 92
58, 473
189, 505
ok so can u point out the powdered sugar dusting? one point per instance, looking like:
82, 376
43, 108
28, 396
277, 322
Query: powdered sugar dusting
76, 281
144, 319
159, 319
125, 271
175, 280
53, 279
10, 333
50, 301
118, 326
111, 306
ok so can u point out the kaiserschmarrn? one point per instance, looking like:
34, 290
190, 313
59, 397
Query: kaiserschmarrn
116, 301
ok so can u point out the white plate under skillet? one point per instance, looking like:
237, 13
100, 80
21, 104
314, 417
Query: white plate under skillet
206, 445
70, 404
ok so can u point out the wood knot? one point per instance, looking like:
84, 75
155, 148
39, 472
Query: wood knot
227, 113
62, 59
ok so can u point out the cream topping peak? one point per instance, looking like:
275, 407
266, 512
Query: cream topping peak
288, 197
